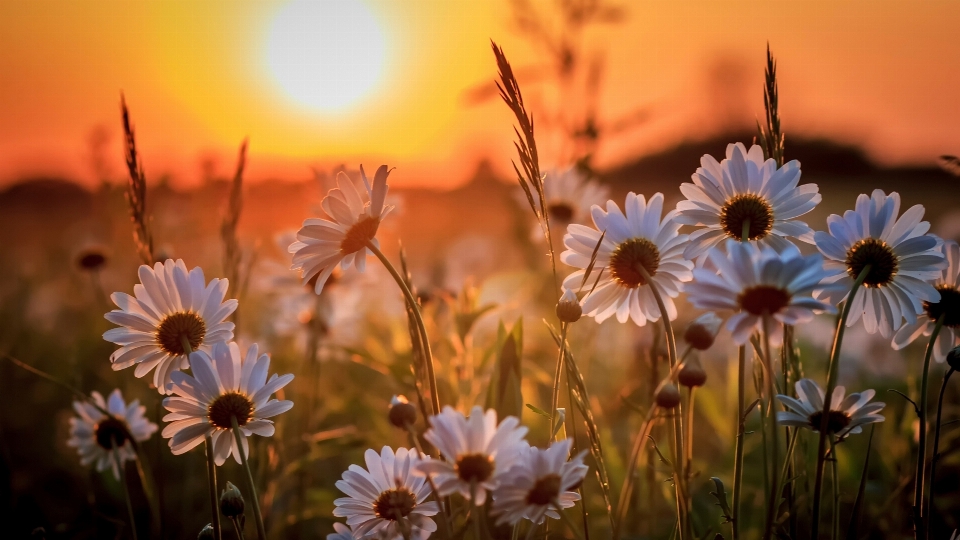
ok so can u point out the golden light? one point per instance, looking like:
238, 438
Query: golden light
326, 54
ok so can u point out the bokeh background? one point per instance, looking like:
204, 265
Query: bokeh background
631, 92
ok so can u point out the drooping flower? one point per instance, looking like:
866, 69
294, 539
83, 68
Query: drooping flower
171, 310
477, 451
635, 241
759, 282
387, 496
846, 415
540, 480
222, 388
568, 194
948, 285
95, 435
743, 187
903, 259
355, 217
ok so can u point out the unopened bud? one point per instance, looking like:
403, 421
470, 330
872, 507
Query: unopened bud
667, 395
206, 533
568, 308
953, 358
231, 501
402, 412
692, 373
702, 331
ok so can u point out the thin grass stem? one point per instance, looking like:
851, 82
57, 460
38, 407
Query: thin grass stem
212, 488
774, 500
936, 449
738, 455
835, 533
126, 488
555, 397
238, 437
919, 518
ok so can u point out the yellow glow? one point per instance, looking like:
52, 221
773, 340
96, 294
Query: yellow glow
326, 55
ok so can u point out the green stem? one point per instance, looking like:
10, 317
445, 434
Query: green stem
836, 492
738, 458
688, 461
745, 235
919, 516
237, 436
126, 488
475, 512
237, 529
785, 471
415, 307
936, 448
626, 490
212, 487
555, 397
832, 372
433, 486
774, 500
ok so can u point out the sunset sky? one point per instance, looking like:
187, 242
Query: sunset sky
392, 81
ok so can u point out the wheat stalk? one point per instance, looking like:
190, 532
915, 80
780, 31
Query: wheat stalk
136, 190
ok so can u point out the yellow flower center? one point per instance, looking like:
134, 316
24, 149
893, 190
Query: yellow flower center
394, 504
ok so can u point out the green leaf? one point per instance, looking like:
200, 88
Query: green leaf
505, 392
721, 495
538, 410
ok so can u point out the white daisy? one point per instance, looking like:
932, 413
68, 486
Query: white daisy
540, 480
171, 308
95, 434
387, 497
476, 451
322, 244
342, 532
759, 282
846, 416
723, 196
903, 261
569, 194
220, 389
948, 285
638, 239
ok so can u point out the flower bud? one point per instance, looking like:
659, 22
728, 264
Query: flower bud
953, 358
568, 308
702, 331
231, 501
692, 374
206, 533
667, 395
402, 412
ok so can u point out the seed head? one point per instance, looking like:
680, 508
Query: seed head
568, 308
402, 412
702, 331
231, 501
667, 395
692, 374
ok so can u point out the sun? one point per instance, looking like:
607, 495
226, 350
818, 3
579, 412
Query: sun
326, 55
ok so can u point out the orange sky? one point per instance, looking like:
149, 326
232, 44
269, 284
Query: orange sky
198, 79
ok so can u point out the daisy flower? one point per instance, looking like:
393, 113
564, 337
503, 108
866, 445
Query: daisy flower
742, 187
639, 239
170, 310
341, 532
323, 244
948, 285
387, 496
903, 261
569, 196
222, 388
846, 416
95, 435
540, 480
758, 282
476, 451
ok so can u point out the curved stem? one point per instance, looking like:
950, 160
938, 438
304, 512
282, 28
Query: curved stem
832, 372
212, 487
444, 510
835, 535
555, 397
774, 500
626, 491
126, 488
261, 531
936, 448
922, 445
415, 307
738, 457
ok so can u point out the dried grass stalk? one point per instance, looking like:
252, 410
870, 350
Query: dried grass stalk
136, 190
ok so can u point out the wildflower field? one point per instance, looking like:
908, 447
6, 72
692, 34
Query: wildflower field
760, 347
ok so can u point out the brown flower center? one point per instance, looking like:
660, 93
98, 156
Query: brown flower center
226, 407
475, 467
545, 490
111, 431
837, 421
948, 306
880, 257
741, 208
91, 260
629, 257
394, 504
175, 328
763, 299
561, 212
359, 234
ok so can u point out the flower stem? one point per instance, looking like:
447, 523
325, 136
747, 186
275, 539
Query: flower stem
832, 372
126, 488
936, 449
415, 307
261, 531
623, 503
738, 457
237, 529
772, 503
212, 487
433, 486
836, 492
688, 461
568, 522
919, 517
555, 397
